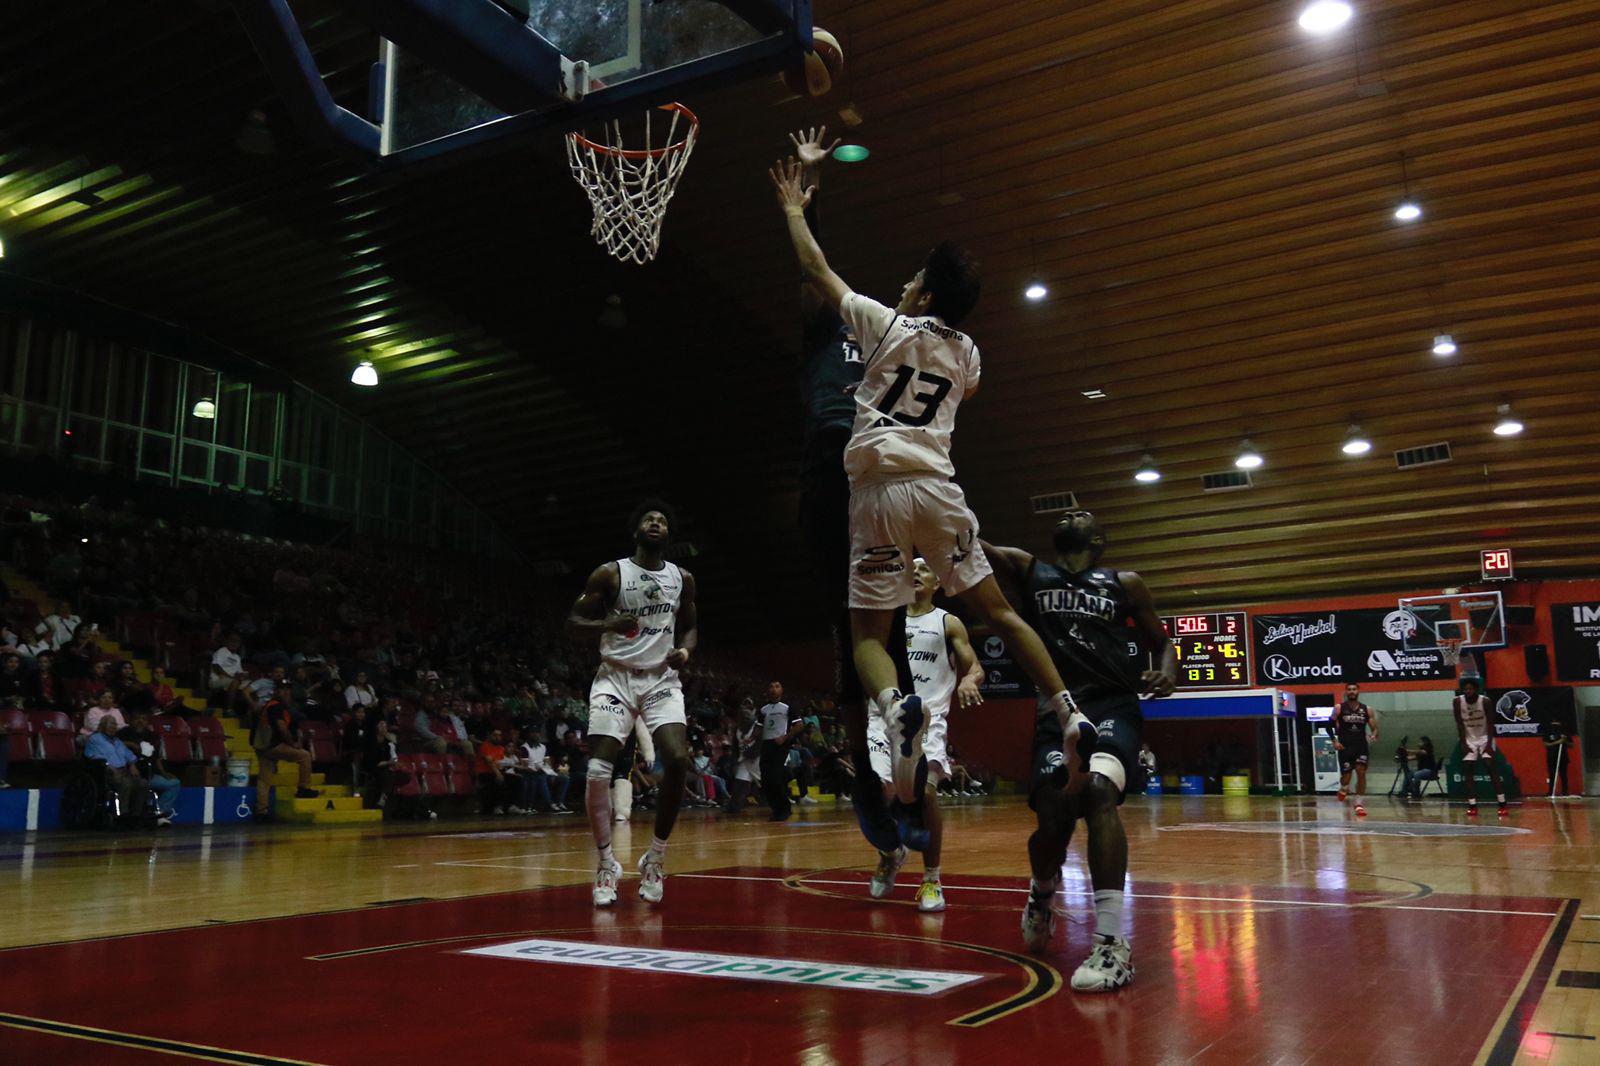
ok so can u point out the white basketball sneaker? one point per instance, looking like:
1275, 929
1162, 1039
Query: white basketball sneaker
1038, 923
1108, 967
906, 724
605, 883
652, 878
889, 863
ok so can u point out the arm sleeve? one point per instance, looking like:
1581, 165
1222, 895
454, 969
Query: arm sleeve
868, 319
974, 372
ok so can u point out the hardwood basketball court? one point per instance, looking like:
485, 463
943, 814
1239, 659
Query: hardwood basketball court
1264, 931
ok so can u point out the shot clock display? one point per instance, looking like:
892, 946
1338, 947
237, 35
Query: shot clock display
1213, 649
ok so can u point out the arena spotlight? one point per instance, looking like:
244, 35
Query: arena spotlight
1408, 211
1147, 473
1508, 425
365, 375
1444, 344
1036, 290
1355, 443
204, 408
1248, 458
1323, 17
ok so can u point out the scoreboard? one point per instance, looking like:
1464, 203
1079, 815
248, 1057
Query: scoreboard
1213, 649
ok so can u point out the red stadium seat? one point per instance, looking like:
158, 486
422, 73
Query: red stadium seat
176, 745
54, 734
435, 775
463, 781
210, 740
19, 735
407, 777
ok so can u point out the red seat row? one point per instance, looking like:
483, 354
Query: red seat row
49, 736
434, 776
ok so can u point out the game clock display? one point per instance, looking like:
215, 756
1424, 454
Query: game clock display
1213, 649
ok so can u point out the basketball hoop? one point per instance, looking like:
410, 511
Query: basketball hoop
1450, 650
629, 188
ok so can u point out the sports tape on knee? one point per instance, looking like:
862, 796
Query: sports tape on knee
599, 770
1110, 767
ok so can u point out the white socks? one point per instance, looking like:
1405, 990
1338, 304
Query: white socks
931, 874
607, 856
1108, 912
1045, 890
658, 847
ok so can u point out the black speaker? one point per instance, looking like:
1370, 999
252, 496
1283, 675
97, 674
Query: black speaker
1536, 657
1519, 614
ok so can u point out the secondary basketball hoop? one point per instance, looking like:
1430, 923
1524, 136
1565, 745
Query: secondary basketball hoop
629, 188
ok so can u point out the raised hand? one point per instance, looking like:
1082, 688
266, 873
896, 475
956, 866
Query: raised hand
808, 145
787, 178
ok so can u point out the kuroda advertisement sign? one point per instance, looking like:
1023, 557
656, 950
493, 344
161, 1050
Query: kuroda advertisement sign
1338, 647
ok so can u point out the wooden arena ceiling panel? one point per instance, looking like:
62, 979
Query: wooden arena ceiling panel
1206, 191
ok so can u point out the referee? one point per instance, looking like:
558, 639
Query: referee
777, 733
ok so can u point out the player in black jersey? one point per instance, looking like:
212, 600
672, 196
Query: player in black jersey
1087, 615
1349, 725
830, 370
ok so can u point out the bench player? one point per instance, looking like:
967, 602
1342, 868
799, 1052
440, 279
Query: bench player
917, 368
1349, 728
944, 672
1088, 613
642, 608
1471, 710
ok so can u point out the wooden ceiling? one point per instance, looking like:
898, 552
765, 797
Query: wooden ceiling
1206, 191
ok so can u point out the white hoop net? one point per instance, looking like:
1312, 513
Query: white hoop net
629, 188
1450, 651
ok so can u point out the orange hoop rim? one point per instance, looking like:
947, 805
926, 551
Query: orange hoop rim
644, 153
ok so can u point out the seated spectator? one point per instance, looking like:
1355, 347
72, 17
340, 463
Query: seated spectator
15, 685
1427, 769
161, 692
49, 694
497, 778
357, 731
133, 794
143, 741
58, 627
377, 762
226, 676
713, 789
360, 693
277, 737
105, 706
544, 787
262, 688
132, 696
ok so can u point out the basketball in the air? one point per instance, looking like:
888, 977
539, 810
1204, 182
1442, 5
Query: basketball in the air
820, 69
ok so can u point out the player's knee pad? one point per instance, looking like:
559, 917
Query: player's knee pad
599, 770
1109, 767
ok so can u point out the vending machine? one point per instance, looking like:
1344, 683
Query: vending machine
1324, 759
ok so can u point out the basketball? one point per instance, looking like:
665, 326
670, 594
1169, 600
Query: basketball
816, 75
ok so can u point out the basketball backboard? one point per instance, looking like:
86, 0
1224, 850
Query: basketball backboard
1474, 619
616, 54
452, 76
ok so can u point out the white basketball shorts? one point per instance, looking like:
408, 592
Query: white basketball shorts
620, 695
1477, 749
933, 746
892, 522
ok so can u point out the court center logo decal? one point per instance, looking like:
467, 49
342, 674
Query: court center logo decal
850, 977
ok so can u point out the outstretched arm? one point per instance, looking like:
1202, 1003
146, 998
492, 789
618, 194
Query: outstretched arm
688, 635
1163, 678
811, 148
968, 670
794, 196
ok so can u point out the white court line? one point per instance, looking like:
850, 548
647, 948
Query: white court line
1151, 895
496, 860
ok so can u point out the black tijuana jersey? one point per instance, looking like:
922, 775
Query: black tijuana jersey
1083, 621
1350, 723
830, 368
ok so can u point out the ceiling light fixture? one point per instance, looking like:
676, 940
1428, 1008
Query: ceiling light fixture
204, 408
1248, 458
1322, 17
850, 153
1408, 211
1147, 473
1509, 424
1036, 290
365, 375
1444, 344
1355, 443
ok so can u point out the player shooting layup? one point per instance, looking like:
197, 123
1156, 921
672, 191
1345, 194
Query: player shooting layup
944, 671
643, 609
1085, 612
917, 370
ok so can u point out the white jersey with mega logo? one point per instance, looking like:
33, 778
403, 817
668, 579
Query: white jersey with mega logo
918, 370
928, 654
652, 597
1474, 716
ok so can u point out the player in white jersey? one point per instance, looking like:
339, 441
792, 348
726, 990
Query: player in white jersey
918, 368
945, 671
643, 610
1471, 711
